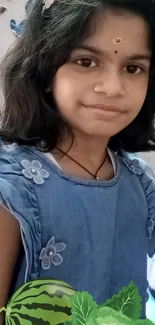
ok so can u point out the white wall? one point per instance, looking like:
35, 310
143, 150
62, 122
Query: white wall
15, 11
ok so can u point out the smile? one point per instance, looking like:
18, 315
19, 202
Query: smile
106, 112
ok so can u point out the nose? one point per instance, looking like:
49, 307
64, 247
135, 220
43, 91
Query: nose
111, 84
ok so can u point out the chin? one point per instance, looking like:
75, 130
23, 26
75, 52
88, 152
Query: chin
101, 129
101, 133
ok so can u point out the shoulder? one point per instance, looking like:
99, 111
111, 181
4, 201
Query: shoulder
137, 164
139, 167
10, 165
15, 175
22, 161
20, 171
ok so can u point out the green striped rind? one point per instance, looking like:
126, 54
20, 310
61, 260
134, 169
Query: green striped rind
49, 289
41, 302
38, 283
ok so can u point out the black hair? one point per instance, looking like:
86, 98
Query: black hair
30, 115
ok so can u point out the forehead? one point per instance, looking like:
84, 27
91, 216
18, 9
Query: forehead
107, 26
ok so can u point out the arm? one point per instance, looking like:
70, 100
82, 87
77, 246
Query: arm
10, 242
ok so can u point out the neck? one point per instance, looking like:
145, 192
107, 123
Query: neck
86, 148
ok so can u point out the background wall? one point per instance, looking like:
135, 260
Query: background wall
16, 11
150, 158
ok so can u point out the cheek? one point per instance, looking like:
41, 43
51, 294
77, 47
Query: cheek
61, 88
65, 85
69, 87
137, 95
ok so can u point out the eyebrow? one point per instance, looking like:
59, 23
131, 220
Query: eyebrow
97, 51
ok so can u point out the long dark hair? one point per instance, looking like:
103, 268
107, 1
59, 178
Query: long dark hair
30, 115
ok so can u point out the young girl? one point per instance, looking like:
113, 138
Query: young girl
79, 96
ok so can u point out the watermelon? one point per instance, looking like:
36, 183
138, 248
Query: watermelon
40, 302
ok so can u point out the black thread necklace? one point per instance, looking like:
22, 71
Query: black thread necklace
76, 162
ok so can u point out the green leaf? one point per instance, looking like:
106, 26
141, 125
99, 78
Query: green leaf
127, 302
68, 322
107, 315
143, 322
92, 318
82, 305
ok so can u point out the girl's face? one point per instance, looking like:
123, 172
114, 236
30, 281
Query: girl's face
101, 72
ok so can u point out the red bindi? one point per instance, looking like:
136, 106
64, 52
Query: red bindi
117, 40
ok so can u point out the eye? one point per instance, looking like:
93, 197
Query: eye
134, 69
86, 63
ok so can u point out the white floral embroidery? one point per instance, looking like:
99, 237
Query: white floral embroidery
33, 170
49, 254
133, 165
6, 146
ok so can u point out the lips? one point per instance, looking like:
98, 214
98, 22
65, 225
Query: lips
104, 112
103, 107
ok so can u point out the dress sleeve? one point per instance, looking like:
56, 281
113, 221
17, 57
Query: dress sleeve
17, 195
148, 183
147, 178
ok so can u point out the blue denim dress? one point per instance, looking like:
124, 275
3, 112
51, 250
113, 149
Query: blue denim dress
95, 235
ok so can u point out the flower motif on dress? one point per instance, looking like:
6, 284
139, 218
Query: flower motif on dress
136, 167
47, 4
33, 170
6, 146
133, 165
50, 254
